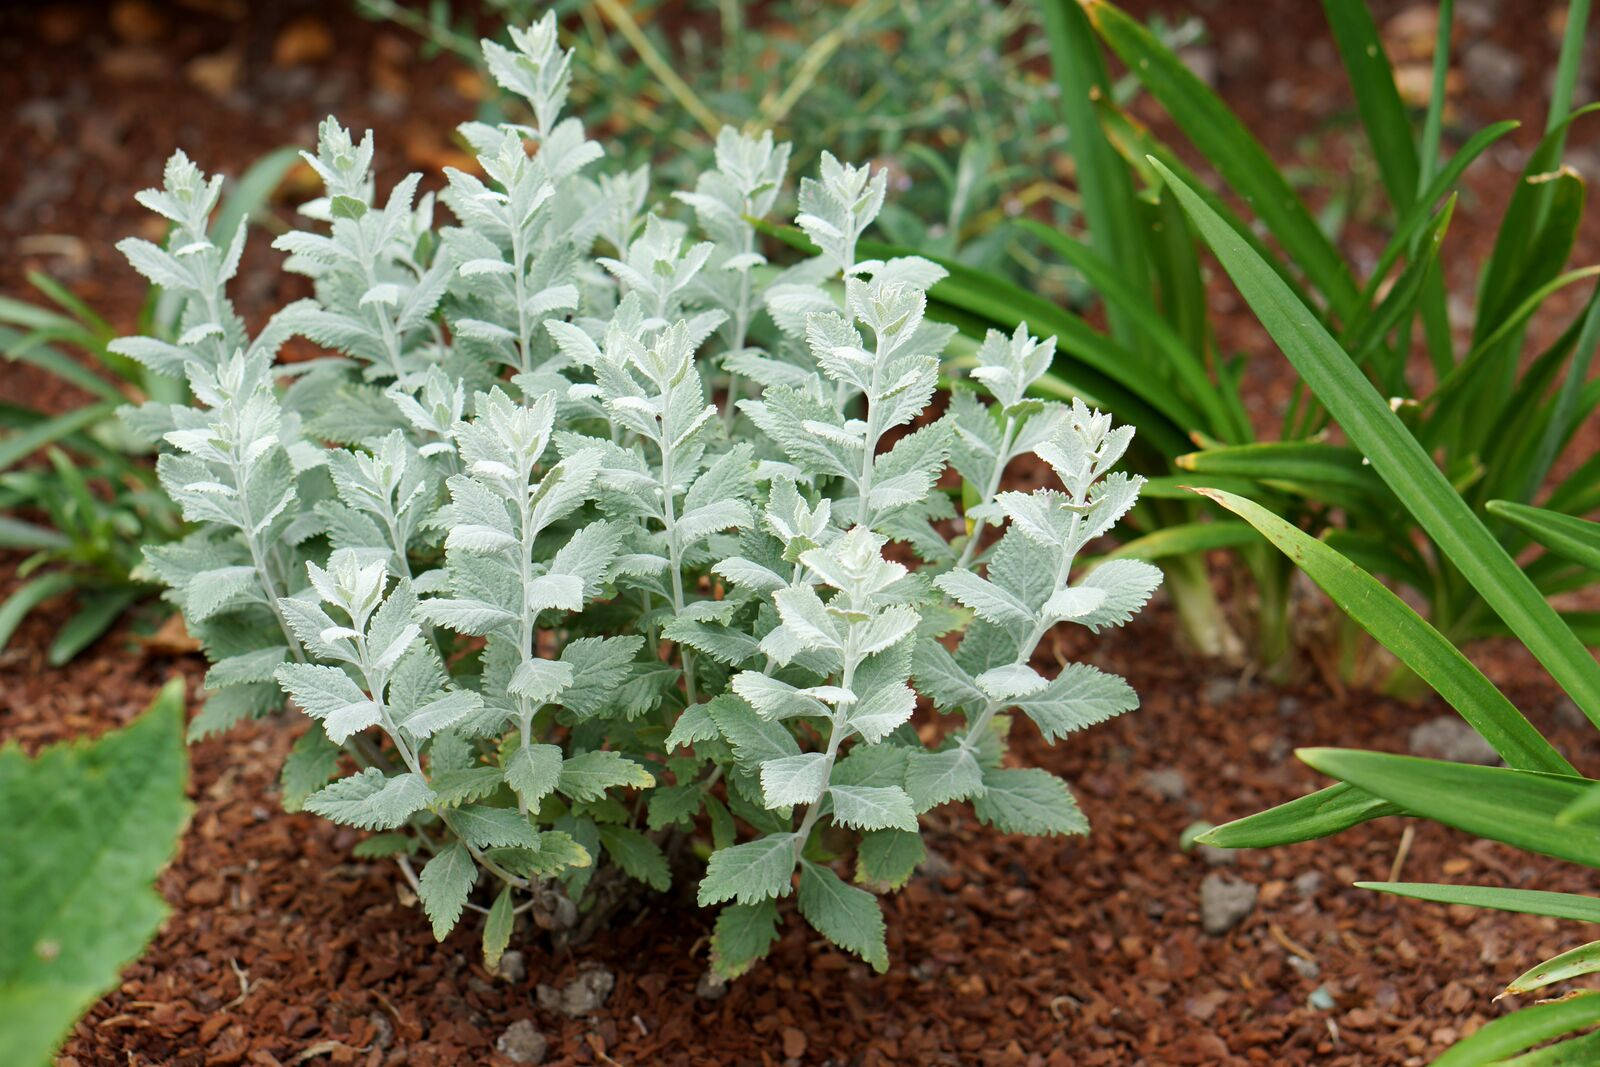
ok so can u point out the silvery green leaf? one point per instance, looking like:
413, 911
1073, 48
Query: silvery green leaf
533, 771
886, 859
943, 679
549, 591
722, 643
871, 765
746, 574
755, 740
210, 591
540, 680
1073, 603
587, 776
465, 616
933, 778
1079, 696
694, 724
328, 694
442, 712
1008, 682
255, 666
444, 885
454, 786
985, 598
774, 699
486, 827
884, 629
1128, 584
845, 915
369, 801
750, 873
637, 855
1028, 801
867, 807
805, 616
797, 779
882, 711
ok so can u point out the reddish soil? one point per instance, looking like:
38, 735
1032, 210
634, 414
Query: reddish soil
1005, 950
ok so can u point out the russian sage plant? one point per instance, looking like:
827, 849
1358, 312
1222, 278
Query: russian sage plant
594, 532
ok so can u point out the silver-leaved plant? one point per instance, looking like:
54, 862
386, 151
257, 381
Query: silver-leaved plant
594, 531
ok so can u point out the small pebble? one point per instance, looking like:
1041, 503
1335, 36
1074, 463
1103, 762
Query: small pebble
522, 1043
1224, 903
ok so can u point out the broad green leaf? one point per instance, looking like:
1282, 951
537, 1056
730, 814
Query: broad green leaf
533, 771
845, 915
1376, 430
85, 828
370, 801
312, 763
1512, 806
484, 827
869, 807
588, 775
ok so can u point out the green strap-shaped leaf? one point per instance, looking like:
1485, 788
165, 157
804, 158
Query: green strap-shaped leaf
1526, 901
1393, 623
1228, 146
1512, 806
1320, 814
1104, 185
1523, 1030
84, 829
1376, 430
1574, 963
1565, 535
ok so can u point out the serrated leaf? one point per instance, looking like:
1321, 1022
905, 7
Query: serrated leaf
533, 771
370, 801
382, 846
588, 775
797, 779
485, 827
637, 855
1028, 801
744, 934
868, 807
749, 873
312, 763
934, 778
444, 885
497, 929
888, 858
1079, 696
845, 915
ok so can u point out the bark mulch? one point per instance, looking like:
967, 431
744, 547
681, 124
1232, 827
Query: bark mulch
1006, 950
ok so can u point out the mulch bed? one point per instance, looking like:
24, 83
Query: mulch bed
1005, 950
